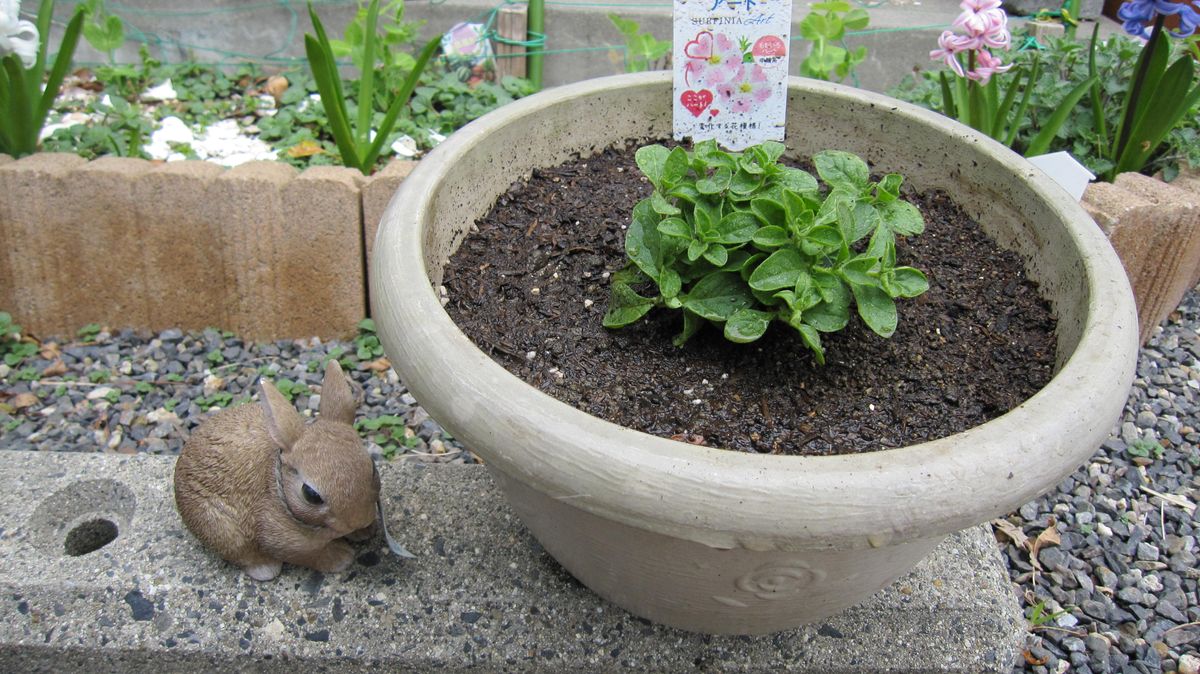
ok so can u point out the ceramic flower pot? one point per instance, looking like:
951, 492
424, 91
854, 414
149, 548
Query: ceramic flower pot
719, 541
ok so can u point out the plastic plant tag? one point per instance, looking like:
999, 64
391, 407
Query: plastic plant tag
1066, 171
468, 54
731, 64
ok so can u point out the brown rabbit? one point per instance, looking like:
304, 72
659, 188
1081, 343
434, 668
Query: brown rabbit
262, 488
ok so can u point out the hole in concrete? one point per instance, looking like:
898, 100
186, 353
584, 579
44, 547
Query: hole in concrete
90, 536
81, 517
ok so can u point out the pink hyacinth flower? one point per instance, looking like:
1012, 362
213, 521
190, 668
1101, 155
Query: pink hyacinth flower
947, 52
987, 65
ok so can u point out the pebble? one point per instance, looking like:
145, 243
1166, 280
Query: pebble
156, 380
1130, 575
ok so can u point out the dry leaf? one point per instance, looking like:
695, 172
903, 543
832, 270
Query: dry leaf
305, 148
1012, 532
276, 85
55, 369
1036, 662
49, 350
1047, 537
379, 365
23, 400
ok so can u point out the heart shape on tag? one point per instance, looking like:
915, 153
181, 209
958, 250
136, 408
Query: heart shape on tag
713, 112
701, 47
696, 101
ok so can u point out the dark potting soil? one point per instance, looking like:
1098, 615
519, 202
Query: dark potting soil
531, 286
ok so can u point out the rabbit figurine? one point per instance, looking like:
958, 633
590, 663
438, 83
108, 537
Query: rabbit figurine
261, 488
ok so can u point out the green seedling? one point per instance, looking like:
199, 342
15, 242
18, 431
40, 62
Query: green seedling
1038, 616
739, 241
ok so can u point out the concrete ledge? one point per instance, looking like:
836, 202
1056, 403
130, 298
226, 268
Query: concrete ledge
262, 249
481, 595
1155, 229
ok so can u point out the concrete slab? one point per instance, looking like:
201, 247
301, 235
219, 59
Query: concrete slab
482, 594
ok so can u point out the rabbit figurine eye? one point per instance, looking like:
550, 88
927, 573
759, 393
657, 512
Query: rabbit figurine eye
311, 495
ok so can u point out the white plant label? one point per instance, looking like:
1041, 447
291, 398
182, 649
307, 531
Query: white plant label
731, 64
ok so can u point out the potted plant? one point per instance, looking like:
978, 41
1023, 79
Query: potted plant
726, 542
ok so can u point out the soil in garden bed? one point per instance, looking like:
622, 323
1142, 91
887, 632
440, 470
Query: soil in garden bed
531, 286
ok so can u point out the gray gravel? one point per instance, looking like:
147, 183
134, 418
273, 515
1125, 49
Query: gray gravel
1120, 588
1116, 588
129, 392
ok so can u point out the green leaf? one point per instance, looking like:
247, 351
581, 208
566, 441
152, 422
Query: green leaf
778, 271
796, 180
643, 244
691, 325
400, 101
1041, 142
716, 183
651, 159
770, 237
1166, 106
625, 306
883, 246
675, 168
746, 325
695, 249
669, 283
660, 205
858, 271
824, 236
717, 296
675, 227
902, 217
908, 282
769, 211
877, 310
745, 183
856, 19
842, 169
888, 189
716, 254
736, 228
812, 339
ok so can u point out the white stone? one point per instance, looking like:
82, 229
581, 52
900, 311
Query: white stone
162, 92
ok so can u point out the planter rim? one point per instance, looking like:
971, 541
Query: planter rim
732, 499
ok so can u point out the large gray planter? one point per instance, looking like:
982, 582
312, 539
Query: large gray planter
717, 541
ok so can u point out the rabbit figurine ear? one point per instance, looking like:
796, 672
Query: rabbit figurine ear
284, 425
338, 401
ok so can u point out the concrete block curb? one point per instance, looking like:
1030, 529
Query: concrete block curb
376, 194
1155, 229
261, 249
33, 188
481, 595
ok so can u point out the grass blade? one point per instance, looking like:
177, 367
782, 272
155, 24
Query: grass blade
1163, 109
320, 61
400, 101
24, 135
323, 41
366, 81
1024, 105
62, 63
1098, 122
1041, 142
44, 16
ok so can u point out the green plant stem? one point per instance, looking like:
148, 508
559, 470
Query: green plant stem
1138, 80
536, 29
